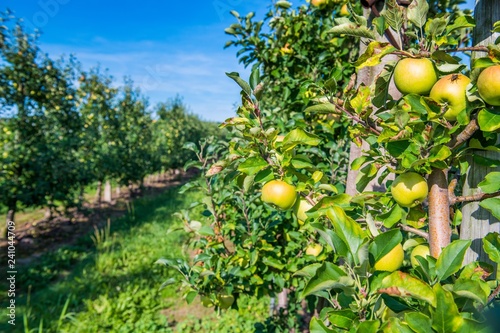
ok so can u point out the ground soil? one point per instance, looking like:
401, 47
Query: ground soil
37, 237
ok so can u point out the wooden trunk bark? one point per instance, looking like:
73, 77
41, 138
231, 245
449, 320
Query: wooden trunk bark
478, 222
439, 212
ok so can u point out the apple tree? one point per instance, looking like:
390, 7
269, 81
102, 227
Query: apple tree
365, 278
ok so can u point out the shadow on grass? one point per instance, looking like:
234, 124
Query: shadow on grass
113, 287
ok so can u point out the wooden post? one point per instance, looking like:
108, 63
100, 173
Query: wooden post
476, 221
107, 192
367, 76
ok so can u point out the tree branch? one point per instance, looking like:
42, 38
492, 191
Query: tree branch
464, 135
439, 212
473, 197
415, 231
357, 119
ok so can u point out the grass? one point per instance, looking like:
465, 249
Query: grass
108, 282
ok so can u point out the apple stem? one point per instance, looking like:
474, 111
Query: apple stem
439, 212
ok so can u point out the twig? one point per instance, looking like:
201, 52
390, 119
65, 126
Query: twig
357, 119
451, 188
415, 231
473, 197
464, 135
494, 294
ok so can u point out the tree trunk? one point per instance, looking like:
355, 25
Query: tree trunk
98, 193
107, 192
439, 212
476, 221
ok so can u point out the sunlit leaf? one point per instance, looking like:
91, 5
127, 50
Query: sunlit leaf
451, 258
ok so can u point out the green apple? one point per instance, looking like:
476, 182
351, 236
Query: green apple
450, 92
314, 249
207, 301
409, 189
419, 250
301, 207
392, 260
225, 301
279, 193
415, 76
488, 85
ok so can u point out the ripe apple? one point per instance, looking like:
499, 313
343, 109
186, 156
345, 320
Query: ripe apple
392, 260
317, 3
344, 11
488, 85
279, 193
450, 91
225, 301
314, 249
409, 189
419, 250
301, 207
415, 76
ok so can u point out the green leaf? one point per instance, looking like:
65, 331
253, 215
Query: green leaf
253, 165
347, 229
492, 205
477, 290
206, 231
401, 284
308, 271
491, 245
301, 162
445, 316
322, 108
373, 54
342, 318
332, 239
242, 83
393, 216
417, 12
393, 14
368, 326
317, 326
418, 322
384, 243
269, 261
490, 183
489, 119
327, 277
439, 153
352, 29
381, 95
461, 22
299, 136
394, 325
451, 258
255, 77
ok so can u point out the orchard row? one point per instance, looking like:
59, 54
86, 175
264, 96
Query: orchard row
63, 128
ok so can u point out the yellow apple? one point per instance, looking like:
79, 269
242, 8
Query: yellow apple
415, 76
409, 189
301, 207
450, 92
314, 249
391, 261
344, 11
279, 193
419, 250
317, 3
488, 85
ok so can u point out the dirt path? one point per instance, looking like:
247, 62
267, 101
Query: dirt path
37, 237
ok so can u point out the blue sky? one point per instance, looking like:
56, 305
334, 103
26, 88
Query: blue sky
167, 47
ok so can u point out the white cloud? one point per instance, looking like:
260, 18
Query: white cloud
163, 71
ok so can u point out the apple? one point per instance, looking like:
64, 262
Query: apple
419, 250
207, 301
409, 189
314, 249
318, 3
301, 207
415, 76
450, 92
488, 85
279, 193
225, 301
344, 11
391, 261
